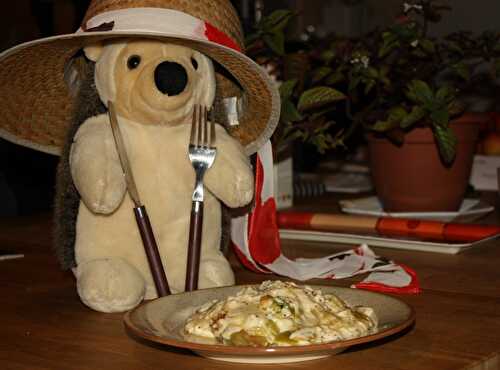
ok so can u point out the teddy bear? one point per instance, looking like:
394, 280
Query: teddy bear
154, 60
154, 86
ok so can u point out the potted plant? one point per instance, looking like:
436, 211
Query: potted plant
305, 104
399, 88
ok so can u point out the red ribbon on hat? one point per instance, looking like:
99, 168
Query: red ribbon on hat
215, 35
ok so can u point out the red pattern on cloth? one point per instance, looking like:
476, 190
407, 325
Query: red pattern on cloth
264, 241
244, 260
412, 288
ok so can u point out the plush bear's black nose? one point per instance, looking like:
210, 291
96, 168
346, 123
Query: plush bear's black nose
170, 78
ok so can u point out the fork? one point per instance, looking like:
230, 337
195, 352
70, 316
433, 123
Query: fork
202, 152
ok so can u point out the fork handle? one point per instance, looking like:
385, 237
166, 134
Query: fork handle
194, 246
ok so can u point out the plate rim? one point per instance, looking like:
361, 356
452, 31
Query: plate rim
269, 351
348, 206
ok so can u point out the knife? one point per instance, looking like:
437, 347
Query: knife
141, 216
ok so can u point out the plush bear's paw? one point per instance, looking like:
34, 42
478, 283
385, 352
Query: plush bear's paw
151, 292
95, 166
215, 273
110, 285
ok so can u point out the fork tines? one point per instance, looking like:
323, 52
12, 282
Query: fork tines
200, 137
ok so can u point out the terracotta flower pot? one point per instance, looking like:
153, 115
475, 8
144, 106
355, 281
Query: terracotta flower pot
412, 177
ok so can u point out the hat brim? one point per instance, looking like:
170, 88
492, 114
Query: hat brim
37, 106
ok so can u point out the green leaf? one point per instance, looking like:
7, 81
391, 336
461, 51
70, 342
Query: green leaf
382, 126
383, 72
389, 37
418, 53
354, 82
369, 86
294, 135
428, 46
335, 78
390, 42
322, 142
277, 20
318, 97
289, 113
287, 87
462, 70
406, 31
275, 41
397, 114
447, 143
250, 39
372, 72
416, 114
403, 61
320, 73
420, 92
445, 94
327, 56
440, 117
386, 82
321, 112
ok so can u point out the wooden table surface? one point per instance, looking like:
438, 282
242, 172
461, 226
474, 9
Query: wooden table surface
45, 326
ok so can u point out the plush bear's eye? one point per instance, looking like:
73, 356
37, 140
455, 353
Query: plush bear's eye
133, 62
194, 63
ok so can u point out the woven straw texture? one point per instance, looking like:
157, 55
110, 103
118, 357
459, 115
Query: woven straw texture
37, 106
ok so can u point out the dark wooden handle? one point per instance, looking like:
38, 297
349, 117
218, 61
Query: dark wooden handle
194, 247
152, 253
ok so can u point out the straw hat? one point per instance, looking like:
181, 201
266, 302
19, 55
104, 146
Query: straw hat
35, 102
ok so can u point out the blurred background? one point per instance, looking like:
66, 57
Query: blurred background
27, 176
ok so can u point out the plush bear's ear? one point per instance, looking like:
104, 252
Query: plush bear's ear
93, 52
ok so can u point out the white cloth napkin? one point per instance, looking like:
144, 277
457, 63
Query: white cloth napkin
256, 241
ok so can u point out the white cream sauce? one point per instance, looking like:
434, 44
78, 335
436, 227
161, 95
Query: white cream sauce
280, 314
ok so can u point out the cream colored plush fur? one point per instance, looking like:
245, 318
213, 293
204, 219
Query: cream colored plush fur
112, 270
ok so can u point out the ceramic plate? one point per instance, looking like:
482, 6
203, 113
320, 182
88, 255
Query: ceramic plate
162, 319
371, 206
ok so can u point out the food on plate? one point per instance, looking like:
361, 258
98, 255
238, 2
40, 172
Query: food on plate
278, 313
